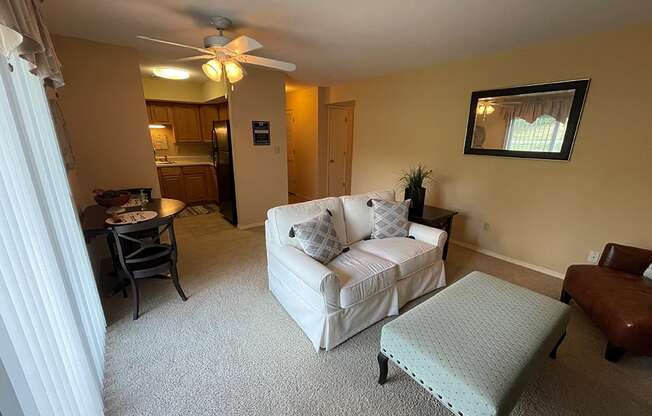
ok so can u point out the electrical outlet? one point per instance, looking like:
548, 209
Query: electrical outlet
593, 257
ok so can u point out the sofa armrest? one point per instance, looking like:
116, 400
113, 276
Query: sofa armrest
311, 272
430, 235
626, 259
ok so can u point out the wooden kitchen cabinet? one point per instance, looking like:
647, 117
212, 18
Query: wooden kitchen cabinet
192, 123
196, 188
158, 113
223, 111
208, 113
193, 184
186, 123
172, 184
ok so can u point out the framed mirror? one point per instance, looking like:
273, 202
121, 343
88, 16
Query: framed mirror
533, 121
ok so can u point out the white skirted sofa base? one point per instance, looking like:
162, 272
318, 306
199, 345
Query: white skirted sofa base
358, 288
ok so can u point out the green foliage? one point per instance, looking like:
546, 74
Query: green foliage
415, 178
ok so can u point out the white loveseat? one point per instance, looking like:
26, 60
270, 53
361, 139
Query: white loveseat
369, 282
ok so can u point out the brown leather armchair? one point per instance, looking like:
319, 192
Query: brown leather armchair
617, 298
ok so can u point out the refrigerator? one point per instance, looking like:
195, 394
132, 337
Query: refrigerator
223, 163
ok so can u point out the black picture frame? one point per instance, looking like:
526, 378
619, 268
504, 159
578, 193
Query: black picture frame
580, 87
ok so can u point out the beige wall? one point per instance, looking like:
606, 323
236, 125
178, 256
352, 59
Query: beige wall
546, 213
495, 129
173, 90
304, 106
181, 90
260, 171
106, 118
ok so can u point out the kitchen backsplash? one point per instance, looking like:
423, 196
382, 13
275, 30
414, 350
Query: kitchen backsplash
164, 145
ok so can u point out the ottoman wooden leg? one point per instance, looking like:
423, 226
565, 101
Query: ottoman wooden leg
565, 297
382, 362
553, 353
613, 353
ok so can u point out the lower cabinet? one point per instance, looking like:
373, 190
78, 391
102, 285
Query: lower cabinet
191, 184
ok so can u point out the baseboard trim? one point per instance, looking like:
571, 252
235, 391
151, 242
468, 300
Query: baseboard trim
252, 225
518, 262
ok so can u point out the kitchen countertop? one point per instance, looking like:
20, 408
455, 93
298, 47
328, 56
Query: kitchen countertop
185, 161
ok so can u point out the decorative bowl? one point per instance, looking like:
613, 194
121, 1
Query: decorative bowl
112, 200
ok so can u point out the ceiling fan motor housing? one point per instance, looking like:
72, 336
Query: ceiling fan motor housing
215, 41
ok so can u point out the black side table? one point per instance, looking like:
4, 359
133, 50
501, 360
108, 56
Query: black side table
437, 218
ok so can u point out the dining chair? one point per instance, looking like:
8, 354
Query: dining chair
142, 253
135, 192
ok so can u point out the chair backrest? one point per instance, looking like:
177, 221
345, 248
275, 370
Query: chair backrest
358, 216
351, 215
281, 219
135, 192
627, 259
140, 243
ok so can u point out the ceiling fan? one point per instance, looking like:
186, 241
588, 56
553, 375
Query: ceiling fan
224, 56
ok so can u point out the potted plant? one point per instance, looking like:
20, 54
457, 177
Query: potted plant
414, 180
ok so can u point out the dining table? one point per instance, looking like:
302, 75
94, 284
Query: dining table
93, 218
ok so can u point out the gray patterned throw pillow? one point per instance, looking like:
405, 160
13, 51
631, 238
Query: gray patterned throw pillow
318, 238
390, 218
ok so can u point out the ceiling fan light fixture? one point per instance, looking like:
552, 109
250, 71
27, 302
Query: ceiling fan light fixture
213, 70
171, 73
484, 109
234, 71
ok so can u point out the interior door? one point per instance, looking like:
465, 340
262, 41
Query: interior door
340, 133
292, 181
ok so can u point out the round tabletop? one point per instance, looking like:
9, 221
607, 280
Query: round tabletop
93, 218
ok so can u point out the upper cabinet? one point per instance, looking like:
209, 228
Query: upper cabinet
192, 123
186, 123
159, 113
223, 110
208, 113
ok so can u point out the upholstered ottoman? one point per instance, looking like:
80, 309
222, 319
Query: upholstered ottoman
475, 345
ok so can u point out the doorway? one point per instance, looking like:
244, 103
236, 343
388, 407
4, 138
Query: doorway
339, 149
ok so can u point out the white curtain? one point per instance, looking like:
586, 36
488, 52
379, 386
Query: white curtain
51, 323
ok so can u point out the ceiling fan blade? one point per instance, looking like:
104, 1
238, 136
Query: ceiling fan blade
243, 44
165, 42
270, 63
195, 58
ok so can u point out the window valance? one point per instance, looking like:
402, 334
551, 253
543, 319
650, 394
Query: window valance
555, 105
34, 44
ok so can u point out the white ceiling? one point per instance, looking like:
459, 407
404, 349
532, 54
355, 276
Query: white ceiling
338, 41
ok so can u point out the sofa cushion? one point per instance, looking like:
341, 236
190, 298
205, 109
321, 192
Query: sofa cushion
318, 237
410, 255
358, 215
282, 218
390, 218
361, 275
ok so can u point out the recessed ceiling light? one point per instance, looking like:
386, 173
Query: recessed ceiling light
171, 73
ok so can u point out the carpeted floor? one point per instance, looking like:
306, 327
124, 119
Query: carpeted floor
232, 350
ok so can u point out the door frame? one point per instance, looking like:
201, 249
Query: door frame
290, 112
349, 106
